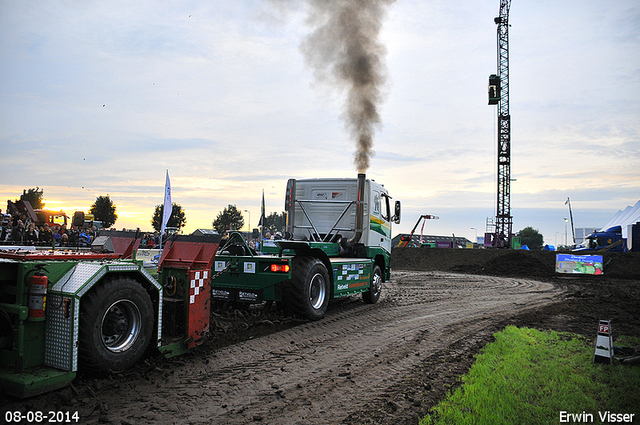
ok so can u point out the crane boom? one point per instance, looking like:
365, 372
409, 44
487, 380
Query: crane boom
499, 94
404, 240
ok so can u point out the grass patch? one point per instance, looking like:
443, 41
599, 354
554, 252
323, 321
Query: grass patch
529, 377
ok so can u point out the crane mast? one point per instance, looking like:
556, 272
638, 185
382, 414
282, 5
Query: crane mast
499, 95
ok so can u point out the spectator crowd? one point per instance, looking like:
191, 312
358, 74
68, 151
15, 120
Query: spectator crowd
19, 230
150, 241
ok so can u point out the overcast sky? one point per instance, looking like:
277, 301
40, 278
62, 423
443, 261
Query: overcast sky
101, 98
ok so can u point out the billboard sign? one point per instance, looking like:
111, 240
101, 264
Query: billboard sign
579, 264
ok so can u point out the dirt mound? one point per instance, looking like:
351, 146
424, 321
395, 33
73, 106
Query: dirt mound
515, 263
539, 264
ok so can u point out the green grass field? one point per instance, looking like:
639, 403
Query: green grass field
531, 377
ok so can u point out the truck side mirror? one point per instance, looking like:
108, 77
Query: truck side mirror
396, 213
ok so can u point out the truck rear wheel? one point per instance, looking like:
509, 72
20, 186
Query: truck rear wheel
373, 294
116, 325
309, 291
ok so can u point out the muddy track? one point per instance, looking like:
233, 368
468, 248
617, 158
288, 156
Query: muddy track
331, 371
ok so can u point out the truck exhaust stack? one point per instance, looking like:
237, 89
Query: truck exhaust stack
359, 207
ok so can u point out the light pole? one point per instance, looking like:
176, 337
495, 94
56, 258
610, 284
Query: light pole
566, 242
249, 222
476, 241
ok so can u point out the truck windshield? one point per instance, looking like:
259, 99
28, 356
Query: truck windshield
597, 242
592, 242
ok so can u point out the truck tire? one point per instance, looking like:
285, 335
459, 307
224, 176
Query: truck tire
309, 288
116, 325
373, 294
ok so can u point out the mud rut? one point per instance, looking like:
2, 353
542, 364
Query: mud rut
316, 372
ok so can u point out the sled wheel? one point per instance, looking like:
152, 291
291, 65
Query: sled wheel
373, 294
116, 325
309, 294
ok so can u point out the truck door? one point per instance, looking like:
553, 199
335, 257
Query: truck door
379, 221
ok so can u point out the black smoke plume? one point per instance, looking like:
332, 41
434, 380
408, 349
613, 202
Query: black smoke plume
344, 50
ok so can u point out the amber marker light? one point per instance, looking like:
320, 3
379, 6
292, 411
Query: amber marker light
280, 268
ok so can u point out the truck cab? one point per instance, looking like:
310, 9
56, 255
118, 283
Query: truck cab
325, 210
608, 240
51, 218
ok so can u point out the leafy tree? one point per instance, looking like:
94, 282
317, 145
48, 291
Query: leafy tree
229, 219
532, 238
34, 196
177, 218
104, 210
275, 222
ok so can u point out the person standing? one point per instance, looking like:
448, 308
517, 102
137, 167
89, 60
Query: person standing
56, 235
17, 233
46, 237
31, 235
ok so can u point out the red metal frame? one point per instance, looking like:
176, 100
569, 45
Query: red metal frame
188, 255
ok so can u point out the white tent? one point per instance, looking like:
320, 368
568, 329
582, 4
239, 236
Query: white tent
625, 219
614, 219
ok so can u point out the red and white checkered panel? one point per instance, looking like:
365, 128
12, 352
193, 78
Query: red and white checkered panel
199, 306
197, 283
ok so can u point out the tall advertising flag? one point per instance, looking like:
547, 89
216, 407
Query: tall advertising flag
167, 205
573, 231
261, 222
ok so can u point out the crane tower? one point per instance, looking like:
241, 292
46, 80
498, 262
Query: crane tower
499, 95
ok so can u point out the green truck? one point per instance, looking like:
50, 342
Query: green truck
337, 243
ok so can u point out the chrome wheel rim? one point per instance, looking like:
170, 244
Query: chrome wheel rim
120, 326
376, 285
317, 291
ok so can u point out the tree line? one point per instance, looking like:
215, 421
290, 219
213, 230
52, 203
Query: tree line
231, 218
104, 210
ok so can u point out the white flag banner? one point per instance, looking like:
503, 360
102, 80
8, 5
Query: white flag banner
167, 205
261, 221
